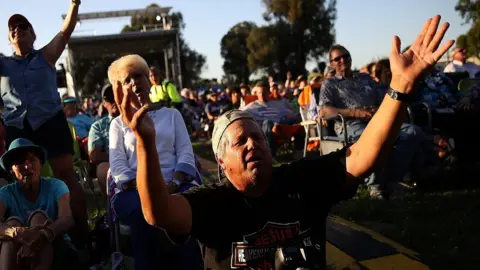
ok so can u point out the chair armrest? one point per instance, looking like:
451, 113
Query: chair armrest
308, 123
337, 117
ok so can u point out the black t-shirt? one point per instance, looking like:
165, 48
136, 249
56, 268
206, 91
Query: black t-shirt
243, 233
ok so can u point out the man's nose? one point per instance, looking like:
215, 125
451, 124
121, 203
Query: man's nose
251, 144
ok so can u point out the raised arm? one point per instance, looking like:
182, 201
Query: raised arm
377, 140
54, 49
170, 212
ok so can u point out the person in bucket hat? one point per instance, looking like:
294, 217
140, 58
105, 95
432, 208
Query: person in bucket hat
259, 210
36, 211
32, 103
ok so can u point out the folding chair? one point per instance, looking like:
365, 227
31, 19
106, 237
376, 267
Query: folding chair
312, 131
329, 141
117, 229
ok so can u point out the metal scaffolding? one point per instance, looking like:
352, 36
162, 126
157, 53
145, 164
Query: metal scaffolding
163, 40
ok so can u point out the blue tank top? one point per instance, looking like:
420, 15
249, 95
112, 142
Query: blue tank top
29, 90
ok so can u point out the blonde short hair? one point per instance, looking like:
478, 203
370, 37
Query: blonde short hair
125, 62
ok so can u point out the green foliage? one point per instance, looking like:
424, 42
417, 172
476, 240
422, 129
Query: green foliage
469, 10
234, 51
298, 31
191, 61
471, 41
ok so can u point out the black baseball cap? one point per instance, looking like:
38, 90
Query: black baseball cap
107, 93
15, 18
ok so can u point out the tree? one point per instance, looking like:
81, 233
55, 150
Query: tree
234, 51
298, 31
192, 62
471, 41
469, 10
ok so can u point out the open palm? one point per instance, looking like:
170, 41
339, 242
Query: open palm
407, 67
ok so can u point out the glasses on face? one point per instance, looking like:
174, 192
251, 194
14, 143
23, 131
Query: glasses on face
344, 56
20, 26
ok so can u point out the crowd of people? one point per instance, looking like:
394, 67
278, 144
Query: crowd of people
136, 135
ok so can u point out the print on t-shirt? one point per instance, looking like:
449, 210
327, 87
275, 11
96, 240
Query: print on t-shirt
257, 251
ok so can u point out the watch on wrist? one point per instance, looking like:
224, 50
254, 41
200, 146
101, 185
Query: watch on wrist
176, 183
394, 94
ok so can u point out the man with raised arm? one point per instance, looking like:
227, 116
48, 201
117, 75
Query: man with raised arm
258, 208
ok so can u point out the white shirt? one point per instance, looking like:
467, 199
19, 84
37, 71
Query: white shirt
173, 147
457, 66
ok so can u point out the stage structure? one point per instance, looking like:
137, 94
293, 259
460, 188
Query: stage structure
157, 39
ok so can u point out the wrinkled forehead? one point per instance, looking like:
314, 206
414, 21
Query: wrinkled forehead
242, 127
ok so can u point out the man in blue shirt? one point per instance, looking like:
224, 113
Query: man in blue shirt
98, 137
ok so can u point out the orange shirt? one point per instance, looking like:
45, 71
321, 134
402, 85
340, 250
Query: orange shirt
304, 97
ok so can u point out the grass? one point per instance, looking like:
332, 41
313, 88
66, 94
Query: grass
441, 226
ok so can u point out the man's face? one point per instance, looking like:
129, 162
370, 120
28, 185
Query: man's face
460, 54
340, 60
135, 77
27, 165
262, 93
111, 107
213, 97
244, 91
20, 32
247, 161
302, 84
235, 97
70, 109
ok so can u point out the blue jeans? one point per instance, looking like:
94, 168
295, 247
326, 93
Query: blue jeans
407, 153
150, 246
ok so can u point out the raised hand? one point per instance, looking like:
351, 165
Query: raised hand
407, 67
137, 120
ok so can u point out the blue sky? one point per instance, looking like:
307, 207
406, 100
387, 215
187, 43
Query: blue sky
365, 27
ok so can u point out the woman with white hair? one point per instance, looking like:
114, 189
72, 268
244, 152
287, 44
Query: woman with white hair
178, 168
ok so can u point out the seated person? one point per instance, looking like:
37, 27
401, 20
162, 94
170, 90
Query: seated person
460, 64
213, 106
82, 122
149, 244
270, 113
98, 138
36, 212
357, 97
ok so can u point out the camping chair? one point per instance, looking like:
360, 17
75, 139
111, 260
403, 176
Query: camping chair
329, 141
312, 132
80, 166
119, 229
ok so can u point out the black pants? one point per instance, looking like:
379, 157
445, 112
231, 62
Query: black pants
54, 135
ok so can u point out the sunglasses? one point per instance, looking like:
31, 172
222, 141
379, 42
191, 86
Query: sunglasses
344, 56
20, 26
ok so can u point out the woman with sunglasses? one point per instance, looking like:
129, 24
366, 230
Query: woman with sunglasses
32, 104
